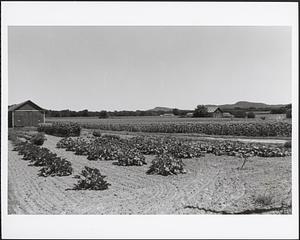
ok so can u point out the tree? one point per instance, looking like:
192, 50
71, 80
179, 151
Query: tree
280, 110
176, 111
103, 114
289, 113
239, 114
250, 115
84, 113
200, 111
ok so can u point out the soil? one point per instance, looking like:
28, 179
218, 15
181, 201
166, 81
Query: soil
212, 185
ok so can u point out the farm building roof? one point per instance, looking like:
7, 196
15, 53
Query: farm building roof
212, 109
19, 105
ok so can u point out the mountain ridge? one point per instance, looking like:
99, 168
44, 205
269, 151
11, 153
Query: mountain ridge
239, 104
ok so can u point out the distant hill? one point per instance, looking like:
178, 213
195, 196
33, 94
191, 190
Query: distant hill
240, 104
163, 109
245, 104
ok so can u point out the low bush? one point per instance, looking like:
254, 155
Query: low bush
96, 133
38, 139
58, 167
61, 129
264, 199
250, 115
91, 179
288, 144
131, 157
166, 164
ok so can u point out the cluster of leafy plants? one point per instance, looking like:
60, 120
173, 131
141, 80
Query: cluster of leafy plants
51, 164
131, 157
38, 139
97, 133
157, 145
166, 164
188, 149
60, 129
106, 147
125, 150
235, 148
91, 179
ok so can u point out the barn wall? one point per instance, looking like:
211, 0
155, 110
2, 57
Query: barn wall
9, 119
28, 118
217, 114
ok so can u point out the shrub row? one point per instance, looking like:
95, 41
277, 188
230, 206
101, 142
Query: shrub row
188, 149
60, 129
51, 164
107, 147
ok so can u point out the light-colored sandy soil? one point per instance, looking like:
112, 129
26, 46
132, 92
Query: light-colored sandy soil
213, 184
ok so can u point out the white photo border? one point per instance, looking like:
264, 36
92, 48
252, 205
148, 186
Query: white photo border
148, 14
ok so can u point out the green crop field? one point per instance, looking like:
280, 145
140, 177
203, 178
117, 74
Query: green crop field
210, 126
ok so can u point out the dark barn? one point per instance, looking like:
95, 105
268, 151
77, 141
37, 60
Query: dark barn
25, 114
215, 112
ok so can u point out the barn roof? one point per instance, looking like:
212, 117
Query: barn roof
17, 106
212, 109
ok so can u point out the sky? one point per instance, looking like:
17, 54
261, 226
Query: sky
130, 68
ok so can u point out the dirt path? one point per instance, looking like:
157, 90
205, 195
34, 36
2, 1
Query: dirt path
211, 182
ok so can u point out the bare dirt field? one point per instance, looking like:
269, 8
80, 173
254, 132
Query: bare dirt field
213, 185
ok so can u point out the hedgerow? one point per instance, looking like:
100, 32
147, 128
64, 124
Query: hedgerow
248, 128
61, 129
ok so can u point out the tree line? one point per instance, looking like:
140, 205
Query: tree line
199, 111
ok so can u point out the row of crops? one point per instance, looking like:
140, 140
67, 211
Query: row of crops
52, 165
60, 129
240, 128
168, 150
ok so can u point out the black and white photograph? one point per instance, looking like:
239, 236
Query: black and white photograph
148, 120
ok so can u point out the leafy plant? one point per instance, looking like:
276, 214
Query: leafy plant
265, 199
96, 133
131, 157
91, 179
38, 139
288, 144
58, 167
51, 164
166, 164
